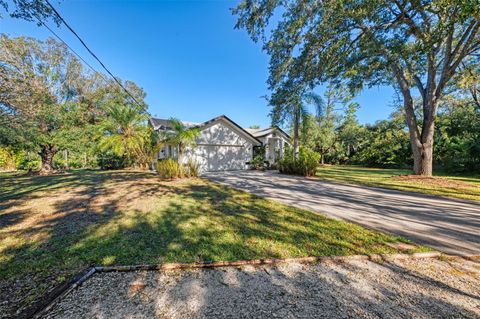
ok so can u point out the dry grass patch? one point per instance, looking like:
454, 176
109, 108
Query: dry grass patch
434, 181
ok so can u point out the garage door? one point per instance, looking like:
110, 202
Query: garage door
223, 157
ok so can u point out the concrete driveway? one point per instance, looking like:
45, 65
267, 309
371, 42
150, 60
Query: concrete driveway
449, 225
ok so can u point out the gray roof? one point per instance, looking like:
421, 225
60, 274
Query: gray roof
258, 132
165, 124
253, 130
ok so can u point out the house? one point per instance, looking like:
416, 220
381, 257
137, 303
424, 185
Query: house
274, 140
222, 144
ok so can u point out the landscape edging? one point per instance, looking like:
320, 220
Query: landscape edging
260, 262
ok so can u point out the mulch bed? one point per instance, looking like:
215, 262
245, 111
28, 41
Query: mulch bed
432, 180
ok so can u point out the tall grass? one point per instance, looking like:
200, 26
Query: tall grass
192, 168
169, 168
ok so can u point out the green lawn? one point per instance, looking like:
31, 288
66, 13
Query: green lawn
52, 227
456, 186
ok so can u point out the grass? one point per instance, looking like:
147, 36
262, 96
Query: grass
54, 226
455, 186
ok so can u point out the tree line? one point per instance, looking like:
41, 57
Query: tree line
429, 51
424, 49
55, 112
334, 132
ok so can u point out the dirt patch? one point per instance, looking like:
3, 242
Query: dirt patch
352, 288
435, 181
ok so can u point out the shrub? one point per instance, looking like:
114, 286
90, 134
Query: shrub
28, 161
7, 159
286, 163
191, 168
75, 160
257, 162
110, 160
306, 163
169, 168
11, 159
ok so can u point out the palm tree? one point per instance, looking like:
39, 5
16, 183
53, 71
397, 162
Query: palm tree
287, 106
291, 104
124, 132
180, 136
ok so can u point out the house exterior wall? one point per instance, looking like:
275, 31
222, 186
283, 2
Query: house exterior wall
167, 151
274, 146
220, 147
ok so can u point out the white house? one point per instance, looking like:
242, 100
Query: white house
274, 139
223, 145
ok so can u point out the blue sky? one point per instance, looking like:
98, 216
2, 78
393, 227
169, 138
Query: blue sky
186, 55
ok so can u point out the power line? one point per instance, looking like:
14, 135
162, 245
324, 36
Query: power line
71, 49
90, 51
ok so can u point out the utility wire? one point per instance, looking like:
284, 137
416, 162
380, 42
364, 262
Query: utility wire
71, 49
90, 51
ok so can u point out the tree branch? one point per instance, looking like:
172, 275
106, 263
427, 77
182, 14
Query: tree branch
457, 56
463, 37
475, 97
409, 20
421, 11
419, 85
403, 85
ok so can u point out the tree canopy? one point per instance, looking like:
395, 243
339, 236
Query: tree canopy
414, 45
30, 10
180, 136
50, 103
39, 82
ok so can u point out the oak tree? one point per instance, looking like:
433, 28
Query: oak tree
415, 45
41, 108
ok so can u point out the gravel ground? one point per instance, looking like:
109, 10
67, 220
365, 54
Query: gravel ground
408, 288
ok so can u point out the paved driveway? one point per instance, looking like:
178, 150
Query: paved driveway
449, 225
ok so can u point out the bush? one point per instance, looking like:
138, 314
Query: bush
258, 161
7, 159
306, 163
76, 160
169, 168
191, 168
110, 160
28, 161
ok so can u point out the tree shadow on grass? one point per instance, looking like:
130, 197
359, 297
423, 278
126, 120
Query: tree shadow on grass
91, 218
257, 220
448, 224
53, 227
44, 218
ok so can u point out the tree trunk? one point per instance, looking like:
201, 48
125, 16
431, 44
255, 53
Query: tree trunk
422, 142
296, 133
422, 160
322, 159
47, 153
65, 155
